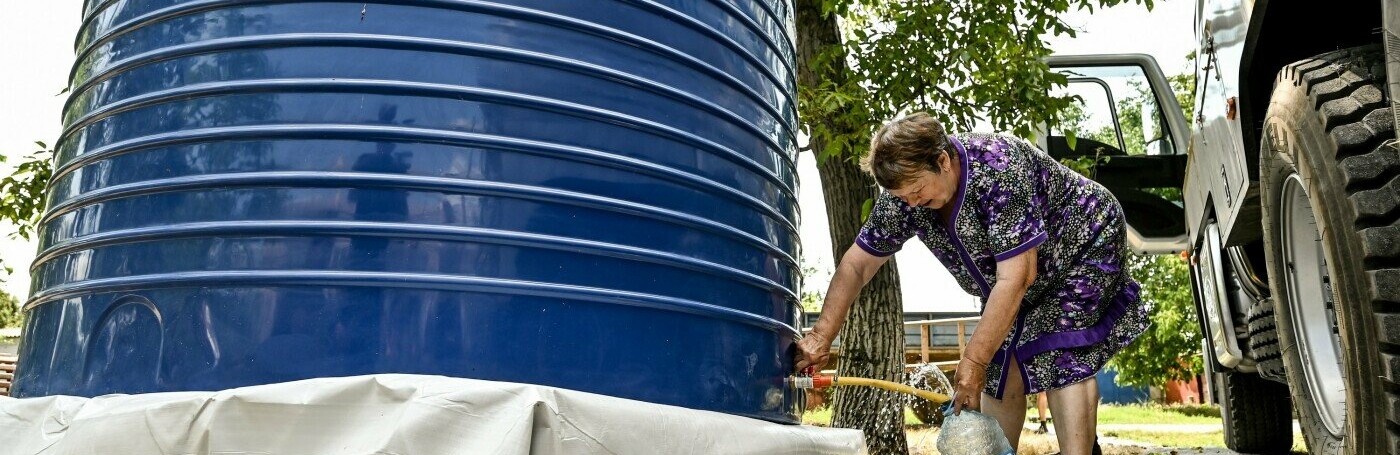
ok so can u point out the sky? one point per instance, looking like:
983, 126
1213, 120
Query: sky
38, 54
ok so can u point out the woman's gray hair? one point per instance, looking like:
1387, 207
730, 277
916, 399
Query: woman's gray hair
903, 147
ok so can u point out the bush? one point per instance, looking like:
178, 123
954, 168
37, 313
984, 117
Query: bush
10, 315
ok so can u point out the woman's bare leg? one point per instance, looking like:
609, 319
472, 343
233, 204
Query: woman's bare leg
1076, 410
1010, 410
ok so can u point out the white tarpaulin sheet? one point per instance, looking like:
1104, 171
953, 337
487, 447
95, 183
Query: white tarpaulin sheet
393, 414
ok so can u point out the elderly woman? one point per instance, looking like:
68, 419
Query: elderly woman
1043, 247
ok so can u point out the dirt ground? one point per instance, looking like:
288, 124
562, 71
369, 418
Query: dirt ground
925, 441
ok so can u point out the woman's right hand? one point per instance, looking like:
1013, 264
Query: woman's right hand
813, 351
968, 382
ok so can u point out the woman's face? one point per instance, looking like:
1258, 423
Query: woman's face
928, 189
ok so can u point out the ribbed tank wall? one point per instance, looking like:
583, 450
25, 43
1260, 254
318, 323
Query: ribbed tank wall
598, 195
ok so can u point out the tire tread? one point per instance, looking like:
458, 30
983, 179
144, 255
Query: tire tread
1346, 88
1256, 412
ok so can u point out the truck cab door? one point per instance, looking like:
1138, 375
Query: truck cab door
1126, 130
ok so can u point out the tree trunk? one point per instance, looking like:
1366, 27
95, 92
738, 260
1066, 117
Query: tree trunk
872, 341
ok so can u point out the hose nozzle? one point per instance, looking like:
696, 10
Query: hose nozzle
812, 382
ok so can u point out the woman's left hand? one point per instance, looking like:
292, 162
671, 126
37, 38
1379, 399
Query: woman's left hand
968, 382
813, 351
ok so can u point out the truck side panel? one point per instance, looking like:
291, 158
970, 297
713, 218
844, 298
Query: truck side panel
1219, 179
1390, 10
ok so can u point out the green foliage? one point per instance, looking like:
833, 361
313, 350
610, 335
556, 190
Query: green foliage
813, 296
1184, 85
1153, 413
10, 315
1084, 165
1171, 348
1072, 127
1130, 115
23, 190
964, 62
22, 193
1130, 120
812, 301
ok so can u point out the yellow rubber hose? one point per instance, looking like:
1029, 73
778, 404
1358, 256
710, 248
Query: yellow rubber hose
891, 386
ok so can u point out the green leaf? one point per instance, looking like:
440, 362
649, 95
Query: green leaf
865, 209
1071, 139
22, 191
822, 156
61, 92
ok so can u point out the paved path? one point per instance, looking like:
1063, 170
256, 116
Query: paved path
1165, 428
1207, 451
1159, 428
1162, 428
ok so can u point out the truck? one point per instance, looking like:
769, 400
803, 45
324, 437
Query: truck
1281, 184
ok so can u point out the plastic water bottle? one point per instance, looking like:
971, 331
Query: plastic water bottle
971, 433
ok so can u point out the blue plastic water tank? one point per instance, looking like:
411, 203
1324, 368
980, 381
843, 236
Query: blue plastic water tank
597, 195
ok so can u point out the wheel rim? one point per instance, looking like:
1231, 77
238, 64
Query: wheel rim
1311, 306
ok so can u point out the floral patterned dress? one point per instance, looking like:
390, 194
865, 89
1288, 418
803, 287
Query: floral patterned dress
1083, 306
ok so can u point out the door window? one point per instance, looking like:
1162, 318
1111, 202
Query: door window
1116, 111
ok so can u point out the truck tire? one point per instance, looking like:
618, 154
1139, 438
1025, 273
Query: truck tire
1330, 190
1256, 411
1263, 341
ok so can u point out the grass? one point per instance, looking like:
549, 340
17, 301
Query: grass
1159, 414
822, 418
1166, 439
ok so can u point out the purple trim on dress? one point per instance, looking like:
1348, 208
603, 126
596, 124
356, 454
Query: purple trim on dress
1089, 335
1006, 360
1025, 372
870, 249
953, 229
972, 268
1022, 248
1026, 384
962, 182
